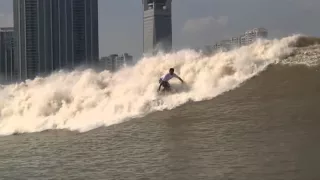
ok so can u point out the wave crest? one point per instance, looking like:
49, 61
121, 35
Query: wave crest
85, 99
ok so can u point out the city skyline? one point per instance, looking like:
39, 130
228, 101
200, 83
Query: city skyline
121, 22
244, 39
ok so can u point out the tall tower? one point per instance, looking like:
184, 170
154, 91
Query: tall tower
6, 54
157, 26
54, 34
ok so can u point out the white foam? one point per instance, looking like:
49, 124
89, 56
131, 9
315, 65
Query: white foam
83, 100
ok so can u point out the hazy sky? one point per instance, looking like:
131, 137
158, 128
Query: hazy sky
198, 22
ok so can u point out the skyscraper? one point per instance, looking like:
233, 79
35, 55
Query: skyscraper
6, 54
54, 34
157, 26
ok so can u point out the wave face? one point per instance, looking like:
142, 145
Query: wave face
86, 99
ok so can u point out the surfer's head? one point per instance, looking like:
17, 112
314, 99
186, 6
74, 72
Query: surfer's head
171, 70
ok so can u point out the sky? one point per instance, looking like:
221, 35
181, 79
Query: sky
197, 23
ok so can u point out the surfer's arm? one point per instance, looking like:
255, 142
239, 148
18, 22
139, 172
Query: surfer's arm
178, 78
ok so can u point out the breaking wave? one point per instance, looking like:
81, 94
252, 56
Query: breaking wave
82, 100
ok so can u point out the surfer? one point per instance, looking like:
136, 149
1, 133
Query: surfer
164, 80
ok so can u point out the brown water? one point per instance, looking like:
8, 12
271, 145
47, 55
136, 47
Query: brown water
266, 129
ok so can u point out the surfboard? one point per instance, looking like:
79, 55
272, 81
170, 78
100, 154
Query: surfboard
164, 93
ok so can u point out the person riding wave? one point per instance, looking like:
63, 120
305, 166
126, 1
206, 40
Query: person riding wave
164, 80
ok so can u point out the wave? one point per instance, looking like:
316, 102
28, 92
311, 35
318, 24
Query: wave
305, 51
305, 41
86, 99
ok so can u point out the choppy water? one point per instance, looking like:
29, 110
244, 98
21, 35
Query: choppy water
267, 128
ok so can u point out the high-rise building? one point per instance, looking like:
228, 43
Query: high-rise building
252, 35
54, 34
6, 55
109, 62
157, 26
115, 62
123, 60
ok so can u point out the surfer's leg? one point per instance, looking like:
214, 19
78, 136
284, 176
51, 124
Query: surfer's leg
166, 85
161, 84
169, 87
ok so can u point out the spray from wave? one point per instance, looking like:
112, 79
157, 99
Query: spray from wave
85, 99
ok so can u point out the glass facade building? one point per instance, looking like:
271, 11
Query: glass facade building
54, 34
6, 55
